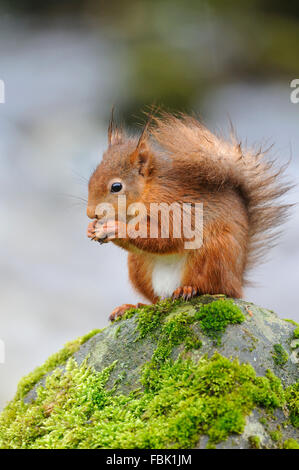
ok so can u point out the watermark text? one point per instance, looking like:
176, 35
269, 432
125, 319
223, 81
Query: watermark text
155, 221
294, 96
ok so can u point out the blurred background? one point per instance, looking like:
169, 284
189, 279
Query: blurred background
64, 64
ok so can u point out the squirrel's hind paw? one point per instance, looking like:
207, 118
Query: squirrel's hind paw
185, 292
120, 311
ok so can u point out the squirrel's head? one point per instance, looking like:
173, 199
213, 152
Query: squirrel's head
126, 168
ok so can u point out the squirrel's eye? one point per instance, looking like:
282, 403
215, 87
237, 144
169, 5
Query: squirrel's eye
116, 187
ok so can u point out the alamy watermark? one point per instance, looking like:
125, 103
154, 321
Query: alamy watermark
2, 92
294, 96
157, 220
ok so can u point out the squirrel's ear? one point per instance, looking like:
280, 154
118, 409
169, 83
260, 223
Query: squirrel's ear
142, 159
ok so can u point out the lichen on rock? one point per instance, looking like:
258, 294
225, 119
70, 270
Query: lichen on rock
172, 375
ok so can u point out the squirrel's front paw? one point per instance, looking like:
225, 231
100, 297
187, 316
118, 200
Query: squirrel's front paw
185, 292
91, 229
101, 231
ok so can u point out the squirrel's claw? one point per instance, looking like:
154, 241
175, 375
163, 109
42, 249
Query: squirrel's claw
99, 232
91, 229
185, 292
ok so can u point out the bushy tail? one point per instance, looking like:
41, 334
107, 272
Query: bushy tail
229, 163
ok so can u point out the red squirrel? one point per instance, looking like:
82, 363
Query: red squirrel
177, 159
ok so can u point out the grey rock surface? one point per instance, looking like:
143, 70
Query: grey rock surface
254, 341
251, 341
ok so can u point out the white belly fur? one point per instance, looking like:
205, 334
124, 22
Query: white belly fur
167, 274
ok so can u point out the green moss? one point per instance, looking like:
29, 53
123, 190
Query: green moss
263, 421
252, 338
150, 316
291, 444
175, 328
291, 321
117, 331
296, 333
59, 358
215, 316
75, 410
275, 436
254, 442
280, 356
292, 398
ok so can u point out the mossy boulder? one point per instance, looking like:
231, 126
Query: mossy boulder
212, 372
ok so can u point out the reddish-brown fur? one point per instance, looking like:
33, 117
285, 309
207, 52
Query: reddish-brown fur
178, 160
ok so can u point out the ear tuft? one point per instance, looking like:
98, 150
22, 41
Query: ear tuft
115, 134
111, 126
116, 137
